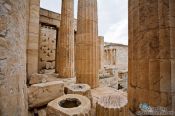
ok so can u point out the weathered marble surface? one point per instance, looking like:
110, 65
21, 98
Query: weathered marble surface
101, 52
38, 78
112, 105
33, 38
13, 34
43, 93
81, 89
54, 109
151, 53
65, 65
100, 92
87, 64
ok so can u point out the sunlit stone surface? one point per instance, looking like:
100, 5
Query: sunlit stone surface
87, 44
151, 53
65, 47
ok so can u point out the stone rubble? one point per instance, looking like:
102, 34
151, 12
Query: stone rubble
41, 94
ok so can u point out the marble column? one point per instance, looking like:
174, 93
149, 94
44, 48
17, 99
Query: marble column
115, 57
105, 57
33, 38
101, 52
86, 43
108, 57
151, 53
111, 55
65, 46
13, 38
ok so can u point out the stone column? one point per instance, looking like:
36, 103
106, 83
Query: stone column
13, 35
101, 52
151, 53
107, 57
111, 55
115, 57
65, 48
33, 38
104, 57
86, 43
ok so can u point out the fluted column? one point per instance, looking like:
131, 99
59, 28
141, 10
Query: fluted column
108, 57
105, 57
111, 55
151, 53
65, 46
13, 38
114, 57
101, 52
86, 43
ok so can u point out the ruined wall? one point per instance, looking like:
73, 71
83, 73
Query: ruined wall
13, 35
47, 47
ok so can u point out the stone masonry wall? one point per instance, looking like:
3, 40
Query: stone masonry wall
47, 47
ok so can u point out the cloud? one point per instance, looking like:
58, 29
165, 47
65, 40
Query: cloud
52, 5
118, 33
113, 18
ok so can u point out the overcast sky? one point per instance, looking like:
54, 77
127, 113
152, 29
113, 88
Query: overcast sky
113, 18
